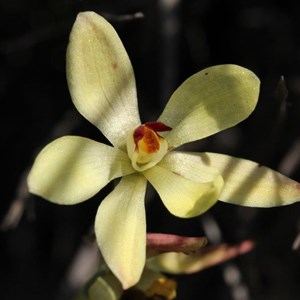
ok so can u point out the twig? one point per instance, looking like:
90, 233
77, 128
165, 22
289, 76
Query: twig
122, 18
280, 96
288, 166
34, 37
83, 266
291, 160
280, 115
296, 243
231, 273
170, 29
16, 210
68, 122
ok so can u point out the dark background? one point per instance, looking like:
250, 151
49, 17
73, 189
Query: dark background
170, 43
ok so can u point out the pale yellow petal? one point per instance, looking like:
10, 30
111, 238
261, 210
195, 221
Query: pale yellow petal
211, 100
105, 287
181, 196
72, 169
177, 263
245, 182
120, 229
100, 288
101, 78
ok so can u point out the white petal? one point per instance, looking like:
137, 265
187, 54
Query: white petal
121, 229
72, 169
101, 78
245, 182
211, 100
181, 196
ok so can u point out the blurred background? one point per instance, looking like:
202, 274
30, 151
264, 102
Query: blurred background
167, 41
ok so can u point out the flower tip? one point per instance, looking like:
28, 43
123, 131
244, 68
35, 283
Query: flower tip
128, 282
87, 17
84, 14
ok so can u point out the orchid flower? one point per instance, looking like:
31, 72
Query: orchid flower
72, 169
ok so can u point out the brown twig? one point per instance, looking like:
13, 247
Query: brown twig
68, 122
169, 31
122, 18
231, 273
84, 265
291, 160
16, 210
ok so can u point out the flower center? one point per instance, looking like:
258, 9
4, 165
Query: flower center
145, 146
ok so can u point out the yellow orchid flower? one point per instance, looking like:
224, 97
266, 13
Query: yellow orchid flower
72, 169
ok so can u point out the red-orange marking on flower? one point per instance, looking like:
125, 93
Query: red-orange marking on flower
146, 137
138, 134
158, 126
150, 141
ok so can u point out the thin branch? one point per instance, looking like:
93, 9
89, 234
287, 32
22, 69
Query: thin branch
123, 18
12, 218
231, 273
16, 210
170, 25
83, 266
291, 160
